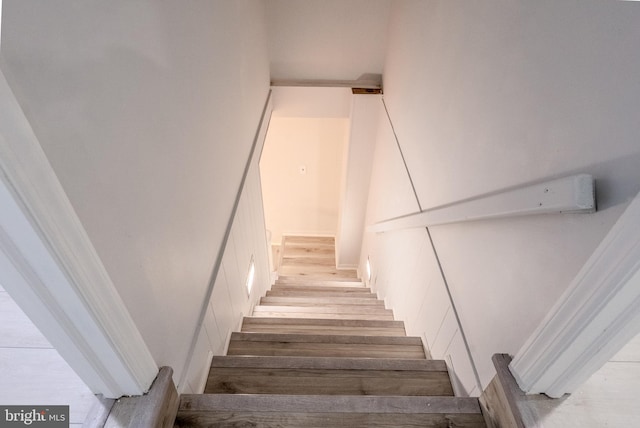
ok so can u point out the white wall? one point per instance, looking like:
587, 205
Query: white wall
230, 300
405, 271
326, 39
486, 95
147, 112
356, 171
303, 203
320, 102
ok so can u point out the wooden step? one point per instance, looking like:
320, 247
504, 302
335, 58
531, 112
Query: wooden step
235, 410
365, 294
308, 282
309, 240
311, 259
327, 376
326, 251
318, 345
317, 272
339, 312
314, 301
320, 289
323, 326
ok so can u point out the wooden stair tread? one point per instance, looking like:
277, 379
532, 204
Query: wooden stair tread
308, 260
320, 338
313, 301
312, 293
332, 376
307, 240
314, 345
264, 419
309, 282
323, 326
320, 289
326, 322
317, 273
315, 251
324, 309
312, 363
337, 316
304, 381
232, 410
329, 404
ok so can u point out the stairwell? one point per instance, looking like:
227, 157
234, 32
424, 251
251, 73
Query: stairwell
321, 350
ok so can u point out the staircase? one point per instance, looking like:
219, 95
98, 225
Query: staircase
320, 350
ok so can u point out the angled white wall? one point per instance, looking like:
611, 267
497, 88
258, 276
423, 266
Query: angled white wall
147, 112
230, 300
489, 95
404, 269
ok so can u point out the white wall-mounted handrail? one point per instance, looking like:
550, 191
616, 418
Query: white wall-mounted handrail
572, 194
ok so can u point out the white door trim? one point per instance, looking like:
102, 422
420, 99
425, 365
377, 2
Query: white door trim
50, 268
597, 315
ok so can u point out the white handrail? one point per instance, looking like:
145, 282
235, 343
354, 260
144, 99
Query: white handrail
572, 194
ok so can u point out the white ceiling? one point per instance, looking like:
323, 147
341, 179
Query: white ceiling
326, 39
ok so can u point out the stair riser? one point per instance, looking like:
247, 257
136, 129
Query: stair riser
325, 309
327, 382
292, 240
328, 411
321, 289
320, 251
227, 419
319, 273
320, 294
323, 326
339, 364
327, 316
292, 282
322, 330
325, 350
309, 260
315, 301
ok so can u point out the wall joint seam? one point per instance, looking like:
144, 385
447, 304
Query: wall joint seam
225, 239
435, 252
